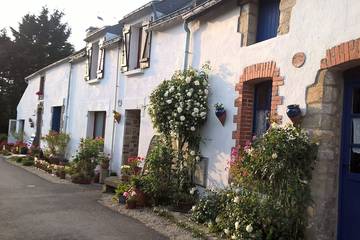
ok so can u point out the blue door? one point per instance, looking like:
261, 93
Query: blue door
268, 20
56, 119
349, 207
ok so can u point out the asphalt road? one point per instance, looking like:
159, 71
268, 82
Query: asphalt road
32, 208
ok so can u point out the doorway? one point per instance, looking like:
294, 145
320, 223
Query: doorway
131, 134
349, 204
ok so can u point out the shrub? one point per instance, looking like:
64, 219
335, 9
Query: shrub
56, 143
28, 162
273, 176
19, 159
3, 137
157, 179
87, 158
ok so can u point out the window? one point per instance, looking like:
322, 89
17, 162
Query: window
95, 60
136, 48
99, 124
262, 107
21, 126
56, 119
268, 20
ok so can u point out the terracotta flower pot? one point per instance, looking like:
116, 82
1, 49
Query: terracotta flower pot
130, 204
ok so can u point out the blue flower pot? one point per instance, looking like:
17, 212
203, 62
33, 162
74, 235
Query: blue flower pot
293, 111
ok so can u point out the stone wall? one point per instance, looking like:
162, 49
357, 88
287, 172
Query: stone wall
323, 121
131, 135
286, 7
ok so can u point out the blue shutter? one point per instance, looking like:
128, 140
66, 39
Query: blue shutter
56, 119
268, 20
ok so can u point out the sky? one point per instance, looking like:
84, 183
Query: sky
79, 14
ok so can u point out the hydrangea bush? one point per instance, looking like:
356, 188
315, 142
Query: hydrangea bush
270, 191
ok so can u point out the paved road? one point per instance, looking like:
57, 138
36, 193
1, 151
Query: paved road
33, 209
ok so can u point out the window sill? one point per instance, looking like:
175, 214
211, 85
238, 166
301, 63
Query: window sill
134, 72
93, 81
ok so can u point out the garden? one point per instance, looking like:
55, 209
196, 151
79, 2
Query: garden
51, 159
269, 192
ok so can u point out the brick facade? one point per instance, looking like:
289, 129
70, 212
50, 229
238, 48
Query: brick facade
341, 53
245, 102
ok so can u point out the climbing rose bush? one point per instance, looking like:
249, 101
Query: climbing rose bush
179, 105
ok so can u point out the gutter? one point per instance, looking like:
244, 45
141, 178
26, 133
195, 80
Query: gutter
117, 85
68, 99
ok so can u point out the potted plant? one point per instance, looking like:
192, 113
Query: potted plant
125, 173
121, 192
220, 112
104, 161
117, 116
131, 200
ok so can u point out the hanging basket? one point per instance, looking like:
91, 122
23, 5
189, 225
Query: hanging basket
221, 115
117, 116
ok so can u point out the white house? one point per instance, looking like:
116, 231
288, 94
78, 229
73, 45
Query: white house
265, 55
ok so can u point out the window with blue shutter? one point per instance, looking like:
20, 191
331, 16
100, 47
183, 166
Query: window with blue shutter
268, 20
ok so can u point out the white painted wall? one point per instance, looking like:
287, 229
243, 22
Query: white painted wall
27, 106
86, 97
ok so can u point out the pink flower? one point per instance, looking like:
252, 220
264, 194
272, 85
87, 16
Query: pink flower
126, 194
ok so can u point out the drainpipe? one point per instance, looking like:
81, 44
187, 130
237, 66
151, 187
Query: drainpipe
115, 103
67, 100
187, 44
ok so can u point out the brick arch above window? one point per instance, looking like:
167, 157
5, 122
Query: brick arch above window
252, 75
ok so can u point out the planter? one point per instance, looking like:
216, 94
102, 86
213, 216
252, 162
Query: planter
221, 115
122, 200
104, 173
130, 204
294, 113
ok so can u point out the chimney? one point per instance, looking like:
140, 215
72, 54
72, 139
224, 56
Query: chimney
90, 30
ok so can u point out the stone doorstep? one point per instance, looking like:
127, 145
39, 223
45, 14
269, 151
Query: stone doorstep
111, 183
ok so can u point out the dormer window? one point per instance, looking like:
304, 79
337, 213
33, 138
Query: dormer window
136, 48
95, 60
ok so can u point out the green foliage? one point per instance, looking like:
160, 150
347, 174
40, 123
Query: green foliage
157, 179
29, 161
121, 188
38, 41
273, 176
178, 109
3, 137
56, 143
87, 157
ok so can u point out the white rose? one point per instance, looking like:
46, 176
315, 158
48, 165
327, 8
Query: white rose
182, 118
233, 237
236, 199
197, 158
179, 109
189, 94
274, 156
193, 208
237, 225
193, 129
226, 231
202, 114
188, 79
169, 101
249, 228
217, 219
192, 153
206, 91
196, 110
192, 190
166, 94
197, 83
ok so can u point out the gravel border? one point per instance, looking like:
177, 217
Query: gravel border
149, 218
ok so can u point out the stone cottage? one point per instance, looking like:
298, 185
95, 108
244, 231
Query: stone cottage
265, 55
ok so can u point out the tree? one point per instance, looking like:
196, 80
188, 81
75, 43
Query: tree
39, 41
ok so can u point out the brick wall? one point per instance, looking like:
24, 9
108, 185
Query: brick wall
131, 134
245, 102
